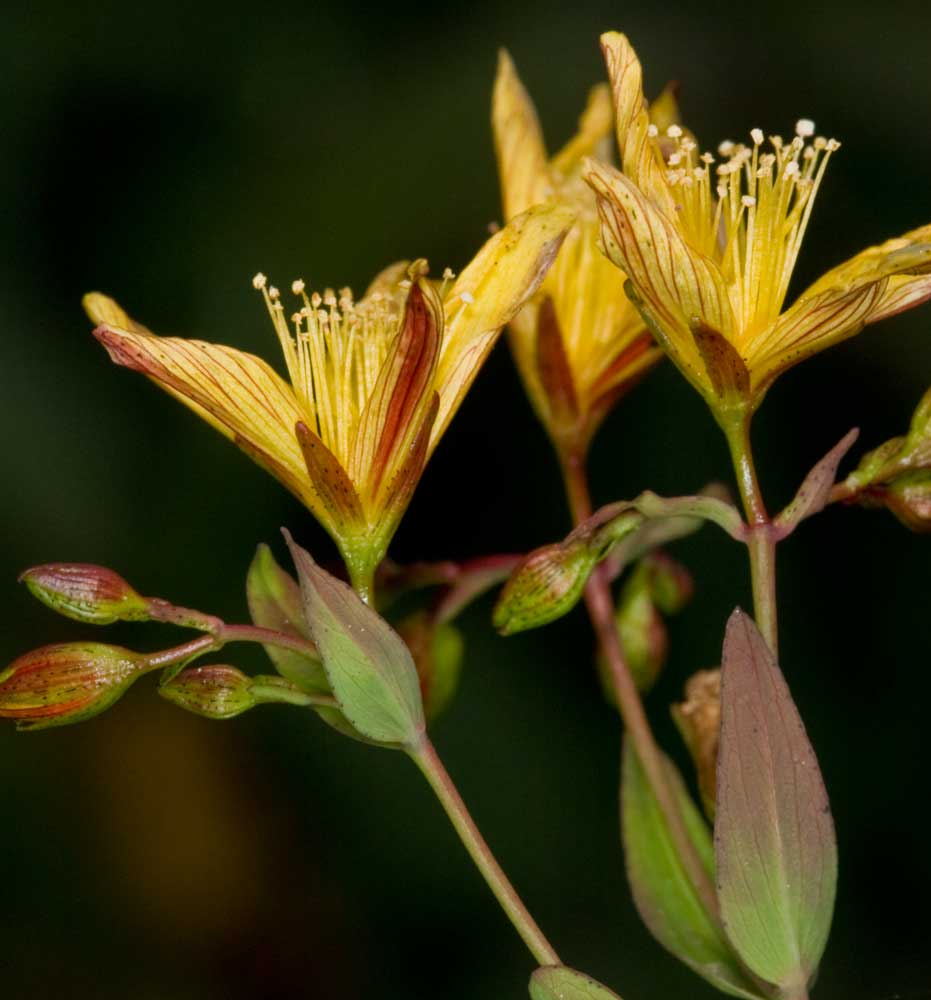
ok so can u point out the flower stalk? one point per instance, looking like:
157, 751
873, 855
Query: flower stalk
427, 759
601, 612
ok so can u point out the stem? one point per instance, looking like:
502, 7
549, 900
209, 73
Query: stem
601, 611
761, 539
266, 636
425, 757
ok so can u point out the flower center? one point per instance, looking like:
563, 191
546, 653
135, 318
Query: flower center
754, 217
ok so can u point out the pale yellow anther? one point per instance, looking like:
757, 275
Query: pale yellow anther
652, 131
726, 148
722, 191
792, 169
259, 281
756, 134
467, 297
675, 159
707, 158
805, 128
273, 293
297, 286
316, 300
674, 131
832, 145
448, 274
748, 201
820, 142
687, 145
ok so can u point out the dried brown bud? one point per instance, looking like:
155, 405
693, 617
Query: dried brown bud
699, 722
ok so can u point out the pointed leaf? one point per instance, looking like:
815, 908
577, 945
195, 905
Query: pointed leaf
275, 602
664, 896
775, 848
370, 669
815, 492
556, 982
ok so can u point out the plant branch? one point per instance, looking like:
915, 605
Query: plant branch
426, 758
601, 611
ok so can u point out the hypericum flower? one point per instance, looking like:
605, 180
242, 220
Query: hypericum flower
580, 344
373, 383
709, 248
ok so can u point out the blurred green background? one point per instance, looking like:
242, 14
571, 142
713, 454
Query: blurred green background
164, 153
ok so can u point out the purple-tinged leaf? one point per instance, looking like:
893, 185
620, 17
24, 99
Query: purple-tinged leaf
775, 849
815, 492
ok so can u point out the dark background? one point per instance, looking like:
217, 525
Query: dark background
164, 153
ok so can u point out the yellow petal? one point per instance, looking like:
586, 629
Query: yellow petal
676, 285
640, 158
813, 323
331, 483
401, 393
518, 141
237, 393
594, 127
488, 293
102, 309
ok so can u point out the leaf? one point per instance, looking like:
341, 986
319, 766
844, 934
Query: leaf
371, 671
556, 982
775, 848
275, 602
814, 493
662, 892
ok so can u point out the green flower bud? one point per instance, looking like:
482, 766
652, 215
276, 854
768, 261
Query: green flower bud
92, 594
215, 691
68, 682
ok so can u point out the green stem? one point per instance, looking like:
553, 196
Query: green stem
426, 758
761, 539
601, 611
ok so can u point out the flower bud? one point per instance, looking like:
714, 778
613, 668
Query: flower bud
699, 722
909, 498
215, 691
92, 594
68, 682
544, 587
437, 649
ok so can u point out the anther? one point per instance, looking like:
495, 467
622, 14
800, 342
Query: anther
756, 134
652, 131
674, 131
273, 293
467, 297
258, 282
748, 201
297, 286
805, 128
726, 147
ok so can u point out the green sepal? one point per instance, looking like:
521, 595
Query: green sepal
370, 669
556, 982
275, 603
662, 892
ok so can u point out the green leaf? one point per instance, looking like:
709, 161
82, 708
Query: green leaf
275, 602
370, 670
662, 892
774, 837
556, 982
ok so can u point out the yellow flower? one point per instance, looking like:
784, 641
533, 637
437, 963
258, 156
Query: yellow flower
373, 383
709, 248
580, 344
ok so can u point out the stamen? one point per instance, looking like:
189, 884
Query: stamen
805, 128
297, 286
258, 282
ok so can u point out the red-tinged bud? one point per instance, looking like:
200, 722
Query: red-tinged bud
216, 692
69, 682
92, 594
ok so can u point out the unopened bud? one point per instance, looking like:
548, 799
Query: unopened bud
909, 498
92, 594
68, 682
670, 583
544, 587
437, 650
699, 722
216, 692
